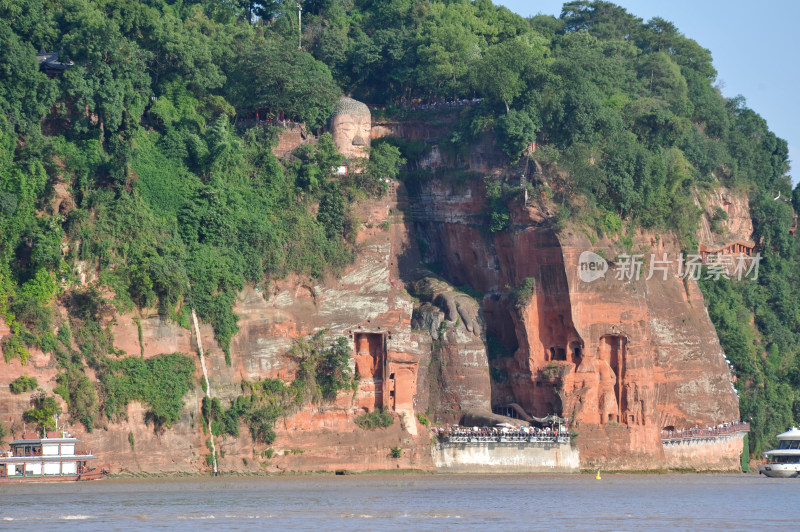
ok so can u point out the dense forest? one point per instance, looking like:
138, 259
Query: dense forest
176, 199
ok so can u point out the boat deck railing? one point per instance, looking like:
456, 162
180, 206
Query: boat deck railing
38, 454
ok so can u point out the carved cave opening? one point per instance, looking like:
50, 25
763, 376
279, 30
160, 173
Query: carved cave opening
562, 348
501, 346
611, 353
370, 358
576, 351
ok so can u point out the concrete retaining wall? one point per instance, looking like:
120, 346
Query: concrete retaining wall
505, 458
721, 453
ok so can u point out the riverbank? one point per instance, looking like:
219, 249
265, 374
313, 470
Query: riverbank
433, 473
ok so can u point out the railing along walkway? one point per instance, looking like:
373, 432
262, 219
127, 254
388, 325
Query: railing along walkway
668, 436
499, 438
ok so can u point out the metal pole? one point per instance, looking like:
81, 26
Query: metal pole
299, 26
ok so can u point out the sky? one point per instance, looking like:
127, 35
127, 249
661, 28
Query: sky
755, 48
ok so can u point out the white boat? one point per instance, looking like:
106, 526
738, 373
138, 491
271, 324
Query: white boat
785, 460
54, 457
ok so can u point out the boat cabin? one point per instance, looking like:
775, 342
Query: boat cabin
53, 456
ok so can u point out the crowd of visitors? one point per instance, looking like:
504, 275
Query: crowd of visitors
433, 106
456, 433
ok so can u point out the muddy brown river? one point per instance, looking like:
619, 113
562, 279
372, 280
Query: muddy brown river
408, 502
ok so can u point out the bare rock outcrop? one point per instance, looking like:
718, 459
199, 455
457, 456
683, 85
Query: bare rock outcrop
726, 218
459, 369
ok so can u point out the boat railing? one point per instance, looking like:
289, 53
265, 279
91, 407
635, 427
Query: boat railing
31, 454
25, 454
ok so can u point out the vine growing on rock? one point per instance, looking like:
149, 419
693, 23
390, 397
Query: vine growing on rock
159, 382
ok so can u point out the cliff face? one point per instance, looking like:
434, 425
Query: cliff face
621, 358
368, 305
508, 321
730, 211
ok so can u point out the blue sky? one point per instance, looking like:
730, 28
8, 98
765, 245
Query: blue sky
755, 47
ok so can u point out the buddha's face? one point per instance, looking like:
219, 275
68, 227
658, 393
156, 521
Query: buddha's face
351, 133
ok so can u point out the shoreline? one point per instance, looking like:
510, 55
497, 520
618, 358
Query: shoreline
431, 473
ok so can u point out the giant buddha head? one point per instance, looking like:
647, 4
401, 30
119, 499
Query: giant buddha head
351, 125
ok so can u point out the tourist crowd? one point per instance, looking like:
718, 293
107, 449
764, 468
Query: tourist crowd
456, 433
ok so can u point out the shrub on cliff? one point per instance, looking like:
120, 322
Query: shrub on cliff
497, 208
80, 395
159, 382
222, 421
521, 295
322, 372
45, 409
376, 419
23, 384
384, 163
14, 347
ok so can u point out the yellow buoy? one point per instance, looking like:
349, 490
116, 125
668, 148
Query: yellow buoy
597, 476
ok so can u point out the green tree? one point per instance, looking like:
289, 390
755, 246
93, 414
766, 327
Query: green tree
26, 94
663, 78
515, 132
448, 47
332, 213
383, 164
509, 68
45, 409
273, 74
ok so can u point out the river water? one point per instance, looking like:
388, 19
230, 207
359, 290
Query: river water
408, 502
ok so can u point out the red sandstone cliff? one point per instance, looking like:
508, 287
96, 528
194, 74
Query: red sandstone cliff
368, 305
621, 359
